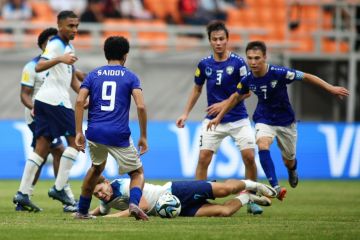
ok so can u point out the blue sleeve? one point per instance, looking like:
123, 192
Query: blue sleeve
135, 82
87, 81
199, 77
242, 87
289, 75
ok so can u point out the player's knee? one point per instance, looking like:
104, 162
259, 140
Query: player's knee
204, 159
70, 153
36, 158
226, 212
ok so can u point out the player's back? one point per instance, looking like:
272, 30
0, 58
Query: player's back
110, 88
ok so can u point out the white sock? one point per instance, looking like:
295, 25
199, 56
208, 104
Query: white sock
31, 190
31, 167
68, 191
66, 162
244, 198
250, 185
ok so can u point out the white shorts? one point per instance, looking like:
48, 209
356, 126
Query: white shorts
127, 158
286, 137
240, 131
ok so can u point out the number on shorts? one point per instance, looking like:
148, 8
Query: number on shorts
108, 97
201, 140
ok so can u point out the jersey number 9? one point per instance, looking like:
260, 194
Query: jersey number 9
108, 95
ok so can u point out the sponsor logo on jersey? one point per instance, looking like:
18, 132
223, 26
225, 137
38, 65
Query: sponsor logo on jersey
273, 83
208, 71
290, 75
197, 72
229, 70
239, 86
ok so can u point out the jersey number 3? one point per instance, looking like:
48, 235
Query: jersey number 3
108, 94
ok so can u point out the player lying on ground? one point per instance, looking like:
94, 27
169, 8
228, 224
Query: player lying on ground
193, 196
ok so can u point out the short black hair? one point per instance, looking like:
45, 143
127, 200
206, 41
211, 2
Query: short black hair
66, 14
216, 25
256, 45
116, 47
44, 35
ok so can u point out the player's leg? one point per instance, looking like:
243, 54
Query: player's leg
287, 139
209, 143
129, 162
220, 210
98, 154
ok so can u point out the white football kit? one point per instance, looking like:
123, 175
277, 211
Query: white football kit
55, 90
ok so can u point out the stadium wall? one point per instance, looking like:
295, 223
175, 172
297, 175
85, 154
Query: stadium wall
325, 151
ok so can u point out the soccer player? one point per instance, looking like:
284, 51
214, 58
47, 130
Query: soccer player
54, 116
193, 195
222, 71
273, 116
110, 88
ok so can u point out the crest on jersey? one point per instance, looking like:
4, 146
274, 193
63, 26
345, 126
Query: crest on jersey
197, 72
229, 70
243, 71
208, 71
273, 83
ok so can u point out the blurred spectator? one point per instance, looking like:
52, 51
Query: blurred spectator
235, 3
134, 9
94, 12
110, 9
78, 6
16, 10
201, 12
357, 23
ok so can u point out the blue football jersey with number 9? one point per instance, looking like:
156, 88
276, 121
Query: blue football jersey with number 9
110, 88
273, 106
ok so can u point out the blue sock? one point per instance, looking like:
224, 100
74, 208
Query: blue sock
84, 205
135, 195
295, 165
268, 167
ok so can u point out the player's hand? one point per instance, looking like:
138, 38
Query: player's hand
80, 142
214, 109
180, 122
340, 92
212, 124
68, 58
143, 146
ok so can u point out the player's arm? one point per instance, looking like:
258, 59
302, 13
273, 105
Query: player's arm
96, 211
75, 83
193, 98
216, 108
26, 96
44, 64
143, 204
79, 114
142, 116
335, 90
229, 104
80, 75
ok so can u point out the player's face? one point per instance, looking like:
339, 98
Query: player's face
103, 191
68, 28
256, 60
218, 41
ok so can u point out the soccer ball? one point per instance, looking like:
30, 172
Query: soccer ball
168, 206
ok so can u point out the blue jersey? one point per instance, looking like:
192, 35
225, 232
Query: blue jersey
221, 81
110, 89
273, 106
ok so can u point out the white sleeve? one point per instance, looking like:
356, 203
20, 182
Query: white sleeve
53, 49
28, 75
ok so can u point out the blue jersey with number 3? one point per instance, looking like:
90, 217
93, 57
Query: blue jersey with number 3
273, 106
221, 80
110, 88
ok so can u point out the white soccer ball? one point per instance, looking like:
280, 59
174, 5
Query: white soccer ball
168, 206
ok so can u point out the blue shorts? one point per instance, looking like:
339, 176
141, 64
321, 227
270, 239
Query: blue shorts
192, 195
53, 121
55, 143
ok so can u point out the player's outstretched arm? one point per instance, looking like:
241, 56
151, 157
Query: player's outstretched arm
216, 108
335, 90
79, 114
230, 103
194, 96
142, 116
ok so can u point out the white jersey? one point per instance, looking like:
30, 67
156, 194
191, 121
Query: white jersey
121, 189
55, 90
34, 80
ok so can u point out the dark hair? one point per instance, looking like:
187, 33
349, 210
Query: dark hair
66, 14
116, 47
256, 45
101, 179
216, 26
44, 35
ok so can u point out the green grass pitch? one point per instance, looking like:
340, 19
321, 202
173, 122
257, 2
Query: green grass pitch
314, 210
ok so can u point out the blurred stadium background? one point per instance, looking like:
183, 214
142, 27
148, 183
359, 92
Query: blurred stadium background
320, 37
